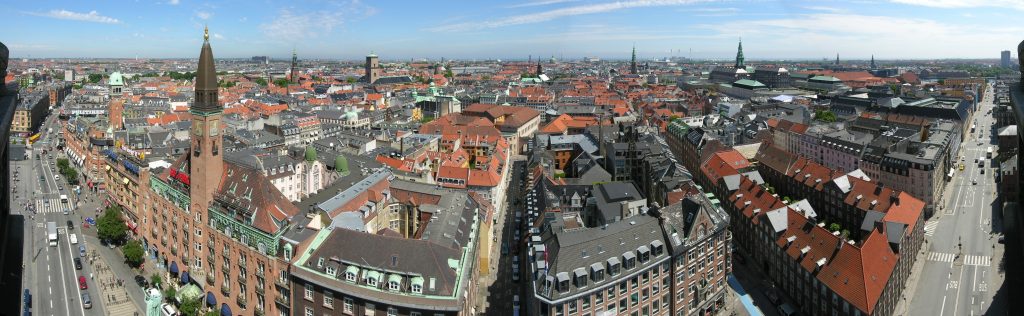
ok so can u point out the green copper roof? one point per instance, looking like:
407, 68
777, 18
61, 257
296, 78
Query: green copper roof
352, 269
749, 83
116, 79
395, 278
310, 153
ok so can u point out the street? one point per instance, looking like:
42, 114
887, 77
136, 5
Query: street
960, 275
50, 273
500, 292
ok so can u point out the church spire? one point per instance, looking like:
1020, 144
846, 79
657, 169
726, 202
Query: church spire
872, 61
837, 59
206, 80
739, 56
632, 64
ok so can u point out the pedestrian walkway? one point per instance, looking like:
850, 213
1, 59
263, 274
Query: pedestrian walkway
113, 291
982, 261
971, 260
941, 257
929, 227
51, 206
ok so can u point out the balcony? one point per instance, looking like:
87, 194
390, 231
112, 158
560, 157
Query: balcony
282, 282
241, 301
241, 263
224, 289
281, 300
259, 273
224, 267
260, 290
210, 279
258, 311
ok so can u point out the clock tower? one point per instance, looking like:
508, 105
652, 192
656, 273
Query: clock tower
206, 163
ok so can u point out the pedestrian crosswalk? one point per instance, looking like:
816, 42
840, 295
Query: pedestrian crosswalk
982, 261
941, 257
51, 206
971, 260
929, 228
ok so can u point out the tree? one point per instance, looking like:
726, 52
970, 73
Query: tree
825, 116
212, 313
834, 227
281, 82
262, 82
351, 79
169, 293
95, 78
190, 306
133, 253
111, 227
155, 280
62, 163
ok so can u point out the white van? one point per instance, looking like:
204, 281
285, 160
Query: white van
168, 310
73, 238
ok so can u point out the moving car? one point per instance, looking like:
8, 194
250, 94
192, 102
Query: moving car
141, 281
73, 238
78, 263
71, 225
81, 283
81, 250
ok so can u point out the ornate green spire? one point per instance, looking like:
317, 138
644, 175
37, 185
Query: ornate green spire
739, 56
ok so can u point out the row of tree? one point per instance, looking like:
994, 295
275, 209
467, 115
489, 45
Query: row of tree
69, 173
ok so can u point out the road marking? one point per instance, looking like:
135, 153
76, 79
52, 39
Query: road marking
929, 227
983, 261
941, 257
943, 309
956, 304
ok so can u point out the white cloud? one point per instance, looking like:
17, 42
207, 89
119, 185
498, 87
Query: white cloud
544, 16
823, 8
824, 34
959, 4
174, 2
203, 15
243, 19
92, 16
291, 26
218, 36
539, 3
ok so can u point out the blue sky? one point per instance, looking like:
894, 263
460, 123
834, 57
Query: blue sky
349, 29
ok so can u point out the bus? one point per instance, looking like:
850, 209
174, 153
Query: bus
988, 152
51, 233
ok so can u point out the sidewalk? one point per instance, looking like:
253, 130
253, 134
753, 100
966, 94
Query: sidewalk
115, 298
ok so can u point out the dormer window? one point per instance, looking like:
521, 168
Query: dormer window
658, 247
320, 263
331, 270
644, 253
614, 266
417, 289
580, 275
629, 260
350, 276
393, 286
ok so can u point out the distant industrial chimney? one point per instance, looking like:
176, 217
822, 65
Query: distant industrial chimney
925, 129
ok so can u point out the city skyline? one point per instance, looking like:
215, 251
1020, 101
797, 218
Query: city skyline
348, 30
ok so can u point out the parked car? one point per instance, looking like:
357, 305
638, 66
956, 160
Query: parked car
81, 250
27, 298
772, 296
71, 225
78, 263
141, 281
86, 301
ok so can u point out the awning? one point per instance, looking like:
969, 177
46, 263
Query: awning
225, 310
174, 267
184, 277
210, 299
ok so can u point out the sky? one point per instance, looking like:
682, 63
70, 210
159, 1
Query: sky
567, 29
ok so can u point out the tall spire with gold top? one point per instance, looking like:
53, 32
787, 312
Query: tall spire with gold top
206, 80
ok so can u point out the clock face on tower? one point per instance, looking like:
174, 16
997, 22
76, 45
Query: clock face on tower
197, 128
